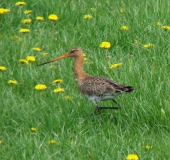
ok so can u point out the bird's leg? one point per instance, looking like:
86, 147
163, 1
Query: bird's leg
96, 110
99, 108
111, 107
108, 108
117, 103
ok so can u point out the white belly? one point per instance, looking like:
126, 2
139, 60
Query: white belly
108, 96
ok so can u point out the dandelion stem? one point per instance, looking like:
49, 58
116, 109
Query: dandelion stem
21, 71
108, 57
20, 10
2, 17
23, 45
52, 31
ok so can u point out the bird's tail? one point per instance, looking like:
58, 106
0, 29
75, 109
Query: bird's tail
128, 89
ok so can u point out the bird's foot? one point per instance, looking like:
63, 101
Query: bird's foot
99, 108
96, 110
118, 107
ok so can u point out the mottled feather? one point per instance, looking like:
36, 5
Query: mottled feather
98, 86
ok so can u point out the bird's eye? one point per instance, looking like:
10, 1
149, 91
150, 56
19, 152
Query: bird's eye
72, 51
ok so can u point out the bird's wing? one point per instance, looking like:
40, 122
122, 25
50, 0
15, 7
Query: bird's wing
119, 87
99, 86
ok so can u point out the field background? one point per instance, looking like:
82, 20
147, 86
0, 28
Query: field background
143, 120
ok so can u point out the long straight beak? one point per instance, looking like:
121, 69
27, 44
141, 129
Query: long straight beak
55, 59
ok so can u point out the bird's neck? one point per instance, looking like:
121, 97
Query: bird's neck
78, 68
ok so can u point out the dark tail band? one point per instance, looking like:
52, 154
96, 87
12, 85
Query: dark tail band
129, 89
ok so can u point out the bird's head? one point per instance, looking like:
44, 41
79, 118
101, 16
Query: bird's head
75, 52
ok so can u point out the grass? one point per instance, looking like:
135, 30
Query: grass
144, 117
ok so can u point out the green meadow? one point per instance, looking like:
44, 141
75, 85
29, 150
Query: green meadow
44, 125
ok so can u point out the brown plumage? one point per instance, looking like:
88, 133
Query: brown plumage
94, 88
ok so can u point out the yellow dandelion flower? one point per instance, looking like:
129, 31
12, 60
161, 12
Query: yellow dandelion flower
105, 45
2, 68
72, 142
147, 147
33, 129
84, 55
20, 4
27, 12
40, 87
26, 21
167, 28
93, 9
149, 45
87, 16
85, 59
12, 82
69, 97
132, 157
37, 49
121, 10
39, 18
125, 28
3, 10
53, 17
23, 61
52, 142
24, 30
158, 23
17, 38
115, 65
57, 90
31, 58
0, 141
45, 53
135, 41
89, 62
57, 81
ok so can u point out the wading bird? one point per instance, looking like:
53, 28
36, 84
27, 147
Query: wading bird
94, 88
